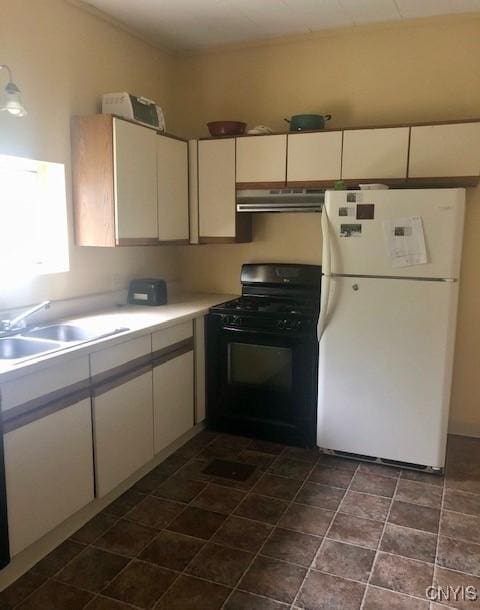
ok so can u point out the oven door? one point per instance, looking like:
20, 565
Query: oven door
263, 383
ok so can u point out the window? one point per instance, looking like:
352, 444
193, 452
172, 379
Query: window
33, 219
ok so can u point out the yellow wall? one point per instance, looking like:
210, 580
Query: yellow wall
422, 71
63, 59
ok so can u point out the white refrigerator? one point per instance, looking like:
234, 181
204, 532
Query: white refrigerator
391, 263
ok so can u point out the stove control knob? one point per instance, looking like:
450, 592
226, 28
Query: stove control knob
237, 320
281, 324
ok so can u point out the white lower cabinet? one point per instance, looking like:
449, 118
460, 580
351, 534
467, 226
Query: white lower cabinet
200, 393
123, 431
173, 399
49, 472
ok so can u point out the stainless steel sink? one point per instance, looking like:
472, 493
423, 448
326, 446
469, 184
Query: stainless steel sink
62, 332
16, 347
48, 339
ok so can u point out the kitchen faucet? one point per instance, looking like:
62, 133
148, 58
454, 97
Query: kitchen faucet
18, 322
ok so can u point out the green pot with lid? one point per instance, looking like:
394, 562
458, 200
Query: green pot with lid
306, 122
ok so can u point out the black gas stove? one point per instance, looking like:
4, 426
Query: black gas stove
262, 355
282, 297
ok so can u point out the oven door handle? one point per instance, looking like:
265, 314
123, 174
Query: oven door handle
263, 332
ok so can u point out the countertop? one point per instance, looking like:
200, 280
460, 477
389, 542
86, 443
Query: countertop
139, 320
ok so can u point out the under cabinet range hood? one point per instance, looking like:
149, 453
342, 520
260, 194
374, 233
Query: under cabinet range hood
280, 200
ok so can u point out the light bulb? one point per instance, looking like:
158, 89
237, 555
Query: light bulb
12, 101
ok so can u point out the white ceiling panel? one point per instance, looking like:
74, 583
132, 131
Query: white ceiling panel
321, 14
371, 11
272, 17
194, 24
410, 9
465, 6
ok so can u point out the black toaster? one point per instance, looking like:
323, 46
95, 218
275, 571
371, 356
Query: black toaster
147, 291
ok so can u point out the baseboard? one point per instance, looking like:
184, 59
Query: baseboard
463, 428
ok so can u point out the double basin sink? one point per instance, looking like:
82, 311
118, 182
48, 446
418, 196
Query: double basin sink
47, 339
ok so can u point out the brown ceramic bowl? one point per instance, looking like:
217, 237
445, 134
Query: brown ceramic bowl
226, 128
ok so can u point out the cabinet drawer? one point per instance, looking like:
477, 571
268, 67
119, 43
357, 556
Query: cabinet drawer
371, 154
169, 336
49, 472
445, 150
103, 361
63, 375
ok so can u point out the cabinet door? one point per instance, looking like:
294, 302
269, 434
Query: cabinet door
173, 399
445, 150
200, 396
216, 188
123, 431
49, 472
193, 190
172, 181
135, 183
314, 156
371, 154
262, 159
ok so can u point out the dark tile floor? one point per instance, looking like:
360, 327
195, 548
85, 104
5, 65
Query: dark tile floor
303, 531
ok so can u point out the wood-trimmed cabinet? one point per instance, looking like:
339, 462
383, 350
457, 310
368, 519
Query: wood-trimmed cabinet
449, 150
173, 398
134, 186
375, 154
130, 184
314, 157
122, 425
48, 472
261, 159
122, 404
173, 383
218, 220
172, 190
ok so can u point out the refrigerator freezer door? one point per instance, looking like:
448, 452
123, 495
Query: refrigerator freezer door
364, 251
385, 368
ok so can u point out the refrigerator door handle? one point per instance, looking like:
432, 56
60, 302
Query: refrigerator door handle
325, 295
322, 318
326, 259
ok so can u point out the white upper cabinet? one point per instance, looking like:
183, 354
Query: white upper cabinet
262, 158
172, 181
135, 182
193, 190
314, 156
216, 188
372, 154
445, 150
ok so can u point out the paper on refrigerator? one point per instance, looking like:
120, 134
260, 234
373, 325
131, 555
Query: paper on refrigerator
405, 241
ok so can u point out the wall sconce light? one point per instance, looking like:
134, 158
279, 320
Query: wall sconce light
11, 101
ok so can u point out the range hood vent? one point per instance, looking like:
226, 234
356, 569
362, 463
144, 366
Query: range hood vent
280, 200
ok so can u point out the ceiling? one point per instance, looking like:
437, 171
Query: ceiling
182, 25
